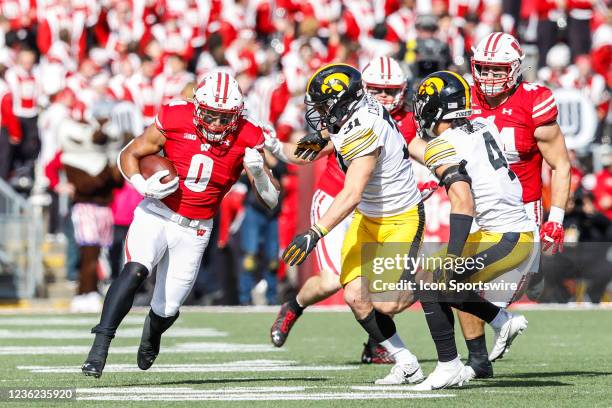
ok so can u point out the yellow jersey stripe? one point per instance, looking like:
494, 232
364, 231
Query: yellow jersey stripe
361, 148
355, 136
347, 146
441, 156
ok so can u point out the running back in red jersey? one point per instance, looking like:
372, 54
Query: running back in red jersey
206, 170
531, 105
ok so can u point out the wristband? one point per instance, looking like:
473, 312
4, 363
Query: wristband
138, 182
556, 214
321, 230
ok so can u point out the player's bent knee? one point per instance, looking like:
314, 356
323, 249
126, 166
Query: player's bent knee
135, 273
330, 283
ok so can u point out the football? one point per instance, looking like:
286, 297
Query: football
153, 163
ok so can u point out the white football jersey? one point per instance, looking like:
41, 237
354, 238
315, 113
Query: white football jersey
391, 189
498, 195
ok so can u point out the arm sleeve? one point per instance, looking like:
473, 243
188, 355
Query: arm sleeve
544, 107
440, 152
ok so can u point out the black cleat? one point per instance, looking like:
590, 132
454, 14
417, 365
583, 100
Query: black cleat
375, 354
93, 368
96, 359
481, 366
282, 325
150, 340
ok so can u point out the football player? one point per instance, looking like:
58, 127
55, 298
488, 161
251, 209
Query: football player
210, 142
467, 159
526, 116
379, 190
384, 79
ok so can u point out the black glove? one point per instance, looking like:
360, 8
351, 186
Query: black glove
302, 245
309, 146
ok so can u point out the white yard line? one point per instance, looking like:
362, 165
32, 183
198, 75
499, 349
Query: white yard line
234, 366
121, 333
298, 393
74, 320
178, 348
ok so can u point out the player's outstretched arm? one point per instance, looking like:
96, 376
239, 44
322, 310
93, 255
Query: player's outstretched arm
357, 177
552, 145
265, 184
285, 151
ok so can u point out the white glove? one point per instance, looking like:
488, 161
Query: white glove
271, 142
153, 187
273, 145
253, 161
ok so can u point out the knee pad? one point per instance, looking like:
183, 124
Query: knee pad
248, 263
133, 274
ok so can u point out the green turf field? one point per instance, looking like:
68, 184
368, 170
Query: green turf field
563, 360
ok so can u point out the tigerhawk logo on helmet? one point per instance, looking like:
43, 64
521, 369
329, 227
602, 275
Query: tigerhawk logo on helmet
332, 94
443, 95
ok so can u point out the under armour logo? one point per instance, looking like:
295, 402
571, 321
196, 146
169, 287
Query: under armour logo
200, 232
204, 147
507, 111
226, 142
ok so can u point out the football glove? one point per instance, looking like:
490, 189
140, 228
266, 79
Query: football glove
427, 189
302, 245
153, 186
551, 235
309, 146
253, 161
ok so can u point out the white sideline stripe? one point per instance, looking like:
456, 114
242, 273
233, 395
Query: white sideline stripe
246, 394
264, 397
63, 321
184, 390
179, 348
234, 366
126, 333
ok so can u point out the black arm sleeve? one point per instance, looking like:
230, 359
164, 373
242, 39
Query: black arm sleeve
460, 225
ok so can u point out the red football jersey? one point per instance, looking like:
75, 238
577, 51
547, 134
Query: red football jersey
406, 125
206, 171
530, 106
332, 179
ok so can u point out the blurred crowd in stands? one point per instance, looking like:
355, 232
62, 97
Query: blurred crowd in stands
80, 78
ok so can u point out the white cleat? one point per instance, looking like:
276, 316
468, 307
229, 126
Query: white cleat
504, 337
450, 374
403, 374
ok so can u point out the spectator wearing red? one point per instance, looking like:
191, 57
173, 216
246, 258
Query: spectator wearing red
10, 128
603, 186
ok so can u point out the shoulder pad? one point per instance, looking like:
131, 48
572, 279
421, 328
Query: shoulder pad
438, 152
